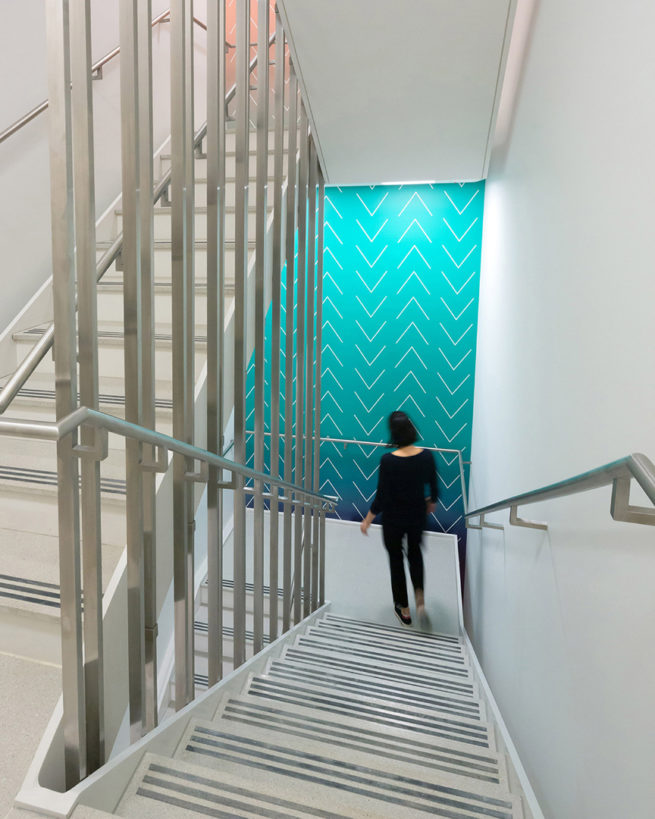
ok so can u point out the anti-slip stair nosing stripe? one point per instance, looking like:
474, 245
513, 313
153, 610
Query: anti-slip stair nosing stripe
385, 660
225, 801
27, 581
108, 334
228, 631
390, 647
342, 765
490, 758
417, 638
379, 681
42, 477
106, 398
396, 794
453, 686
398, 629
322, 705
233, 789
470, 731
375, 747
27, 599
46, 594
472, 711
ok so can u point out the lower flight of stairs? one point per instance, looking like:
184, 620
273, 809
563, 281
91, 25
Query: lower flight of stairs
353, 720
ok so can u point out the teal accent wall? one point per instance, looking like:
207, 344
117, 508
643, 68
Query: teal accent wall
400, 302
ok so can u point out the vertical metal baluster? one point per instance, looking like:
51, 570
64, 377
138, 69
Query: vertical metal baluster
240, 293
189, 250
260, 316
61, 208
215, 321
288, 345
275, 322
310, 557
85, 232
179, 344
149, 477
132, 343
301, 295
318, 584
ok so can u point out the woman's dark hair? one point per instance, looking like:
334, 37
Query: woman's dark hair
403, 431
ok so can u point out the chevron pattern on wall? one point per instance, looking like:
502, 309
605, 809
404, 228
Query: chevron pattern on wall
400, 298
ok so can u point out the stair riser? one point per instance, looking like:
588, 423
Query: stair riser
162, 225
201, 190
163, 263
200, 166
110, 307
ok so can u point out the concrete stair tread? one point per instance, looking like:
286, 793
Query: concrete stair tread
106, 335
384, 657
358, 680
352, 668
349, 788
383, 758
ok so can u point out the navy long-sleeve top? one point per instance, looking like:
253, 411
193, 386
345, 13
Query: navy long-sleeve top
402, 485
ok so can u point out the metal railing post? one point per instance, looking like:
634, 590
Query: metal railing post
63, 267
276, 298
288, 345
242, 156
85, 250
215, 322
301, 300
148, 477
261, 255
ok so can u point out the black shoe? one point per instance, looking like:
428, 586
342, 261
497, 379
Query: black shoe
406, 621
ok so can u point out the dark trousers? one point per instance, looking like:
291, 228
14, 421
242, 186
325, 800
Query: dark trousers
392, 535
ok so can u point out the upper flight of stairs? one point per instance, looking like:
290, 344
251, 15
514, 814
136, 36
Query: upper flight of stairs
353, 720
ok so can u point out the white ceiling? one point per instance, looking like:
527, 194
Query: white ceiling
400, 91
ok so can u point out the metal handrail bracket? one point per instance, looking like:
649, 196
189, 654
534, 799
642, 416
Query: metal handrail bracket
619, 474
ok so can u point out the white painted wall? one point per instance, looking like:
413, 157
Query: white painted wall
564, 622
24, 165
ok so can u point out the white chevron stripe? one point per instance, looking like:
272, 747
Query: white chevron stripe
450, 505
415, 222
327, 372
370, 315
367, 498
455, 343
370, 475
331, 486
410, 398
459, 238
329, 324
458, 291
414, 275
367, 453
327, 276
410, 375
377, 258
373, 383
459, 409
328, 300
328, 250
448, 438
413, 299
370, 289
458, 363
336, 235
459, 386
327, 395
376, 234
328, 461
370, 363
412, 197
459, 315
463, 260
448, 462
327, 417
358, 510
366, 334
465, 206
372, 212
330, 202
372, 407
367, 431
418, 358
448, 484
413, 247
412, 324
328, 348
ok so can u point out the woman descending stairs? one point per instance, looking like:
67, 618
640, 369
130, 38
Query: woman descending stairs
353, 720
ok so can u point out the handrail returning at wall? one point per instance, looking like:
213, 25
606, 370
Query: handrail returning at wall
96, 68
618, 473
54, 431
43, 345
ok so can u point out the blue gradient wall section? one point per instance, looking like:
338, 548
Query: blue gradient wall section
400, 302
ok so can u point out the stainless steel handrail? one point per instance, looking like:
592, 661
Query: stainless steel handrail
54, 431
348, 441
44, 344
618, 473
95, 68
